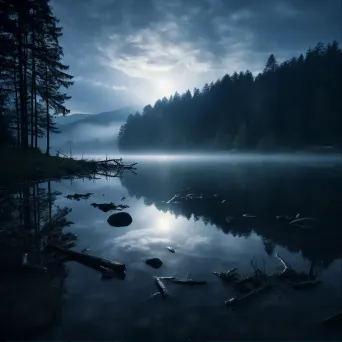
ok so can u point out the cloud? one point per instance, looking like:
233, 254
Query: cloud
153, 47
98, 83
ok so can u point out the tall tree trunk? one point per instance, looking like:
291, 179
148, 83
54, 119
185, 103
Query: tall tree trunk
25, 92
26, 207
23, 117
47, 113
35, 118
47, 128
32, 96
2, 127
49, 199
16, 102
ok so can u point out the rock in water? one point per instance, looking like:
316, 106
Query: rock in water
120, 219
154, 262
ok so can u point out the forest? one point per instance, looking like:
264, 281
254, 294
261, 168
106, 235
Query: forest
33, 77
288, 106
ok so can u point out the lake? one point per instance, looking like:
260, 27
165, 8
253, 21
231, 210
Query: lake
72, 302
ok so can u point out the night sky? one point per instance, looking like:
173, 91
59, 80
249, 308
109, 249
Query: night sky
127, 52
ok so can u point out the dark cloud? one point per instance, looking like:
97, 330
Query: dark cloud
154, 47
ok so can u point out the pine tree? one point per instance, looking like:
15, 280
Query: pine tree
31, 67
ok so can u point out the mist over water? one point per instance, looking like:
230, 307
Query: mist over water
316, 159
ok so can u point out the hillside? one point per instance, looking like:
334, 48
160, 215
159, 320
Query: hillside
68, 119
103, 119
92, 133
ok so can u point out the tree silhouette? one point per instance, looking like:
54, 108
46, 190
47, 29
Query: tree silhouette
292, 105
32, 75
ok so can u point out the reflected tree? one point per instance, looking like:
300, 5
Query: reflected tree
262, 191
31, 298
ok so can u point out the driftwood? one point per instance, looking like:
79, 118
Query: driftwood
106, 272
166, 278
189, 281
90, 259
334, 319
297, 280
257, 280
171, 249
235, 300
248, 215
161, 287
118, 164
287, 269
229, 275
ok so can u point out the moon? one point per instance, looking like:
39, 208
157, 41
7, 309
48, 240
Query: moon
165, 87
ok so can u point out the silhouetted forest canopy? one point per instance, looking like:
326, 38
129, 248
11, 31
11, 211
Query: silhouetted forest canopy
32, 74
292, 105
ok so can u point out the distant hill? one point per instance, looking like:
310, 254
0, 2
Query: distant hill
117, 116
67, 119
89, 132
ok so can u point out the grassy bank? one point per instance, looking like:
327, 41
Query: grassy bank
18, 166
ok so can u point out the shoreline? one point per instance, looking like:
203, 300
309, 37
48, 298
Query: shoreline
29, 166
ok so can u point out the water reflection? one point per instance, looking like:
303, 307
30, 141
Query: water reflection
31, 299
204, 242
258, 189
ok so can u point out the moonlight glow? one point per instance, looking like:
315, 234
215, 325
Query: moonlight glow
165, 87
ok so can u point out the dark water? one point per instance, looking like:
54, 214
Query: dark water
73, 303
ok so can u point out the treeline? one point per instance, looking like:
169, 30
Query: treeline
32, 75
291, 105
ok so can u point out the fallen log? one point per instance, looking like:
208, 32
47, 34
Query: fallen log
89, 259
106, 272
235, 300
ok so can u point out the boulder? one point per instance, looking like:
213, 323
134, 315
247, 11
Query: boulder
154, 262
120, 219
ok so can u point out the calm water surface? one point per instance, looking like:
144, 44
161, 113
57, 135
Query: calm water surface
89, 308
